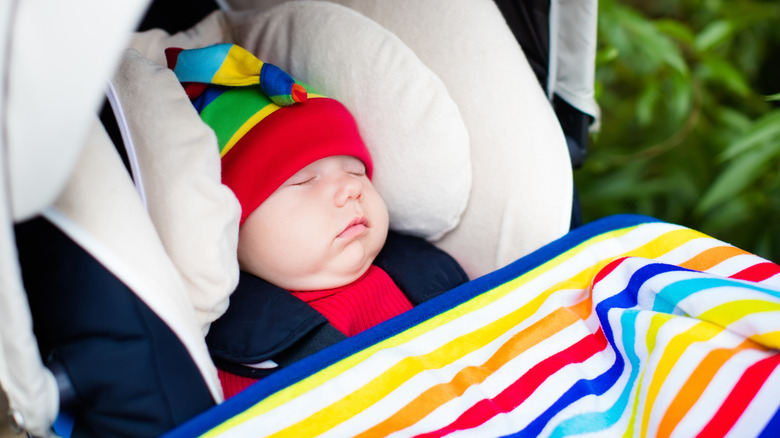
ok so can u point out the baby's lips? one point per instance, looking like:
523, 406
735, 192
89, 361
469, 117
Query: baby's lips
355, 228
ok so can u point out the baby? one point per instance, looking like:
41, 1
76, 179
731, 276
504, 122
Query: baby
312, 223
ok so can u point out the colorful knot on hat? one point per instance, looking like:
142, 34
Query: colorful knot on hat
231, 65
268, 126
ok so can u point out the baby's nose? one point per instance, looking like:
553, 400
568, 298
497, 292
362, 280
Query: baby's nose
348, 189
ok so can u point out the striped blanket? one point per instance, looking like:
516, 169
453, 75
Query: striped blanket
627, 326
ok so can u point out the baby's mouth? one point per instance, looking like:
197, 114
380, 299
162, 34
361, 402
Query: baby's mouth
357, 227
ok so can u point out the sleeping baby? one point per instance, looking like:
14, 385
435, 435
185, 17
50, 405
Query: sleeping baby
317, 260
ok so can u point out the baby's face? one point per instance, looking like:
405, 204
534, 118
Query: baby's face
321, 229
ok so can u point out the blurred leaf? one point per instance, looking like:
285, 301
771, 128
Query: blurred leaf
731, 117
773, 97
739, 173
720, 71
645, 44
669, 53
764, 129
646, 102
606, 56
675, 29
736, 211
749, 13
681, 98
713, 34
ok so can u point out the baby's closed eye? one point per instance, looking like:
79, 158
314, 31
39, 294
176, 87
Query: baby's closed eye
301, 178
305, 181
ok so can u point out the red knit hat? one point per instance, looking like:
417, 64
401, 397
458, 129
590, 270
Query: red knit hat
285, 142
263, 144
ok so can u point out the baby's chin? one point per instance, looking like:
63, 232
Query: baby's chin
345, 269
326, 280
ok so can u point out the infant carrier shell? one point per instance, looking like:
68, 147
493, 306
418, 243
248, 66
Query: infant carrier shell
65, 191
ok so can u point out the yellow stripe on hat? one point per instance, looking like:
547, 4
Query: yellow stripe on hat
251, 122
240, 68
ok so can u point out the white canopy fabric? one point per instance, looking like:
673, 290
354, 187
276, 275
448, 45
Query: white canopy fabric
55, 61
573, 54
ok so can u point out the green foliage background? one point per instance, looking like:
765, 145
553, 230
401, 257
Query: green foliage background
690, 132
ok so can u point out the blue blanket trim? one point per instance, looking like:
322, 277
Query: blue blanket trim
318, 361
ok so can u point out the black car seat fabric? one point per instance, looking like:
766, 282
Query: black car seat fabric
92, 325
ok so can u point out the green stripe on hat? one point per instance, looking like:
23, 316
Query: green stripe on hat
229, 113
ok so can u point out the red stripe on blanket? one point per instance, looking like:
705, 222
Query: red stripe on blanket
607, 269
740, 397
516, 393
759, 272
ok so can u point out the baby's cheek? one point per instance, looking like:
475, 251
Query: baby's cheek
306, 244
381, 215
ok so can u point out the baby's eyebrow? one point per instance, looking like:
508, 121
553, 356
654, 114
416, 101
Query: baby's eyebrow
351, 163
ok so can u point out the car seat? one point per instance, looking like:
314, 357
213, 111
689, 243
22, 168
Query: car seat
487, 229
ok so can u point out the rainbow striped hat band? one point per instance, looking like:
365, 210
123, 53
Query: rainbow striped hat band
268, 126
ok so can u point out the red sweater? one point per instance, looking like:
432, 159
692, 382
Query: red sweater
371, 299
